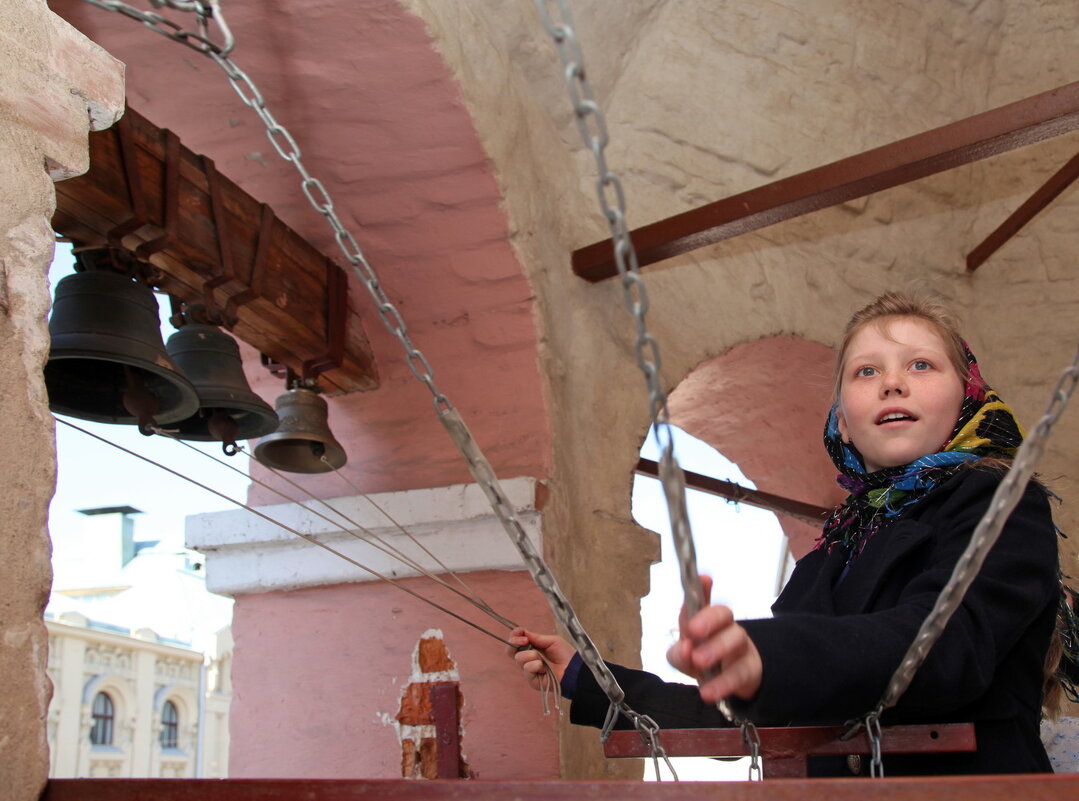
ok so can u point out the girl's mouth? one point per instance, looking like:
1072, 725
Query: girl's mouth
895, 417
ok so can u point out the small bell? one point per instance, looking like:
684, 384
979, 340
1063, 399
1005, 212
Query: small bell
107, 362
228, 409
302, 442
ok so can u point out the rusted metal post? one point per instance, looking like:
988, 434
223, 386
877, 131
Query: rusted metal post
988, 134
444, 699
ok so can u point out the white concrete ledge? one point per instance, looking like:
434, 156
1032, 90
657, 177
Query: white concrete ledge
246, 553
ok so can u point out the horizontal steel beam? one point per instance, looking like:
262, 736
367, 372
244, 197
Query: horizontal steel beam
988, 134
1042, 197
806, 512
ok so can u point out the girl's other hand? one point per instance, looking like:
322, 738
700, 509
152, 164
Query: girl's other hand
712, 644
533, 648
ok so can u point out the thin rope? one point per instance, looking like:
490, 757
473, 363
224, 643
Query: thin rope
378, 542
400, 528
309, 538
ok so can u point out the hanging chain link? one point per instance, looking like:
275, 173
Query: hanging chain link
1004, 500
592, 126
477, 462
874, 735
752, 738
204, 10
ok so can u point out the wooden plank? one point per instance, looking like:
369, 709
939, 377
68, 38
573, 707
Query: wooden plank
797, 741
799, 510
1042, 197
284, 315
942, 788
988, 134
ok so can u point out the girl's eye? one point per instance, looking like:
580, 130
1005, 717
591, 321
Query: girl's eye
865, 372
922, 364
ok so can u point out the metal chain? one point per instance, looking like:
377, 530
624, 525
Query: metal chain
1004, 500
648, 729
752, 738
592, 126
479, 466
205, 10
874, 734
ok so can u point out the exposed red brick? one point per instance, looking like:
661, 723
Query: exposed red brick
429, 758
408, 758
415, 709
433, 657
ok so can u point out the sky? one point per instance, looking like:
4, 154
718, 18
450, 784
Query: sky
94, 474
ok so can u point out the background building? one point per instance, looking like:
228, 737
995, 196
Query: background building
139, 656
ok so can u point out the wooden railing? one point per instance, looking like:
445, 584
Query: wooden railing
1061, 787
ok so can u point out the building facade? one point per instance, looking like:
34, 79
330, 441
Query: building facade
128, 704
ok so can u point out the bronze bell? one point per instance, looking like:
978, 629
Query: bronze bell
303, 436
228, 409
108, 362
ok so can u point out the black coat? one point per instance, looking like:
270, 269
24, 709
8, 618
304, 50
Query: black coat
831, 648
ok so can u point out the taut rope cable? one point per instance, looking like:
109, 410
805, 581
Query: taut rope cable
371, 539
478, 464
408, 534
301, 535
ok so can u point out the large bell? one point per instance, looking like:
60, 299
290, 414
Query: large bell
228, 409
303, 436
107, 362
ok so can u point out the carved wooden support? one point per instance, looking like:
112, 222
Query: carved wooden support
212, 243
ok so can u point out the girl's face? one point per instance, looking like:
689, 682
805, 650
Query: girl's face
899, 394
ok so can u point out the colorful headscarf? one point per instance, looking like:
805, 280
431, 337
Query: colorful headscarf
986, 427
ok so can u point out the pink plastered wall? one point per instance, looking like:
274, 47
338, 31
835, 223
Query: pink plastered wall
380, 122
323, 671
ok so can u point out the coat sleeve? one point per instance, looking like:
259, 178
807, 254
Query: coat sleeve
820, 669
671, 705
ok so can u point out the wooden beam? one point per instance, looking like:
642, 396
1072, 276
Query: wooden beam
1042, 197
785, 749
799, 510
988, 134
210, 242
1031, 787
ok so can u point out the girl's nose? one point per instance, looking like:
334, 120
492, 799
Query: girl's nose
893, 386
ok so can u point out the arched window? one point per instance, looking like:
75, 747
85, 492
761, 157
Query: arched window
102, 714
170, 725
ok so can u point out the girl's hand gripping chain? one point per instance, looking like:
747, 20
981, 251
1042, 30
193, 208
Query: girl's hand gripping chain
712, 643
531, 651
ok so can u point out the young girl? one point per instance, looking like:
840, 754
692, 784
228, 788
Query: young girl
921, 443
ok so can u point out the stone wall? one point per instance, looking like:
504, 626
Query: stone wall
54, 86
704, 100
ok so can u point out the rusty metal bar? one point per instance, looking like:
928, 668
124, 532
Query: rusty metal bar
447, 729
987, 134
912, 788
784, 750
1045, 194
799, 510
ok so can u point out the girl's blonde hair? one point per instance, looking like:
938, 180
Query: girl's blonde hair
898, 304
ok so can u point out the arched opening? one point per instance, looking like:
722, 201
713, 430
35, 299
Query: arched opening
752, 417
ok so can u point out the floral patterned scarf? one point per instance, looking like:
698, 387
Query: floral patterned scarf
986, 427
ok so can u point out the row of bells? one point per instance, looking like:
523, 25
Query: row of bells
108, 364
